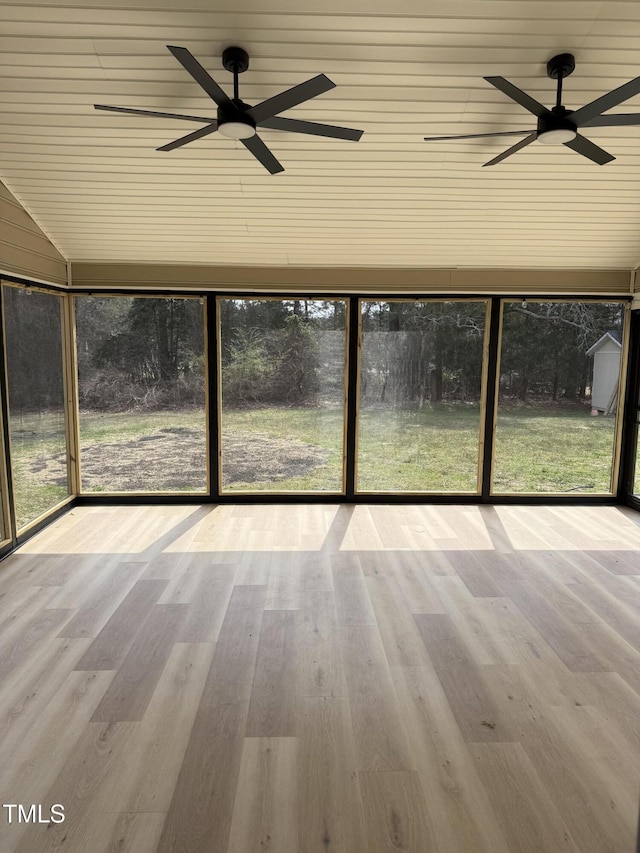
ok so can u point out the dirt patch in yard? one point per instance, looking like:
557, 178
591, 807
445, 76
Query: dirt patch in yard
173, 459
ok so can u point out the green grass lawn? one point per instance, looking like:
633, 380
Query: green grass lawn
543, 451
35, 439
279, 449
433, 449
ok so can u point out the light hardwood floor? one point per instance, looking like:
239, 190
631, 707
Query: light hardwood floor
292, 679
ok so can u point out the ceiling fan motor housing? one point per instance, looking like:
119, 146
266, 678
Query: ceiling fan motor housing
234, 121
555, 127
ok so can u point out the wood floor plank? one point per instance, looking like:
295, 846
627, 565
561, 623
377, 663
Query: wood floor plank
457, 802
254, 566
135, 832
20, 647
418, 589
623, 620
161, 739
284, 587
86, 786
457, 679
163, 566
461, 679
330, 803
564, 637
193, 573
380, 742
616, 654
515, 637
352, 597
470, 566
237, 645
386, 523
207, 598
18, 601
201, 810
27, 692
615, 701
103, 601
603, 753
272, 711
473, 620
321, 668
111, 645
585, 808
401, 639
396, 815
265, 812
132, 687
360, 533
53, 740
619, 562
316, 570
527, 815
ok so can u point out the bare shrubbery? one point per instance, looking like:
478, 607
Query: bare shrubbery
106, 390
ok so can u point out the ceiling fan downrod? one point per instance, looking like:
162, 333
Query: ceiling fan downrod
559, 129
233, 122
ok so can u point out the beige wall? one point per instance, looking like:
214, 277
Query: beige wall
96, 276
25, 250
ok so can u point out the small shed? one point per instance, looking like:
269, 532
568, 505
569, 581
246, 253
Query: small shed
606, 370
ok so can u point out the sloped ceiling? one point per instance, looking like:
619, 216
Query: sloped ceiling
404, 70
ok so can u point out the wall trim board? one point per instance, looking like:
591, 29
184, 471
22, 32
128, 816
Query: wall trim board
351, 280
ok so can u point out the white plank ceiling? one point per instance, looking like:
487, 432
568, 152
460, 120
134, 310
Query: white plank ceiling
404, 70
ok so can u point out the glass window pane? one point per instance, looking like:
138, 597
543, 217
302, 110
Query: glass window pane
283, 375
558, 398
33, 340
420, 395
141, 390
636, 485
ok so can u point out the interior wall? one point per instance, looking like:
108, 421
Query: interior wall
341, 280
25, 250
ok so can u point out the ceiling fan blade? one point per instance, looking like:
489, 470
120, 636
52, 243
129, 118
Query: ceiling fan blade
190, 137
290, 98
531, 138
587, 148
518, 95
606, 102
619, 120
313, 127
202, 77
150, 113
479, 135
260, 151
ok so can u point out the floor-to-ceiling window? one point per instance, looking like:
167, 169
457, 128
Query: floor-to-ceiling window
282, 394
33, 322
559, 390
421, 389
141, 394
413, 374
5, 521
634, 420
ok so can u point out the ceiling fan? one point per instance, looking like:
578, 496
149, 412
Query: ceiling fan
237, 120
559, 126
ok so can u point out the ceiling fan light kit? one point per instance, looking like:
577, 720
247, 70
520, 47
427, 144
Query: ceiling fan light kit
240, 121
558, 125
